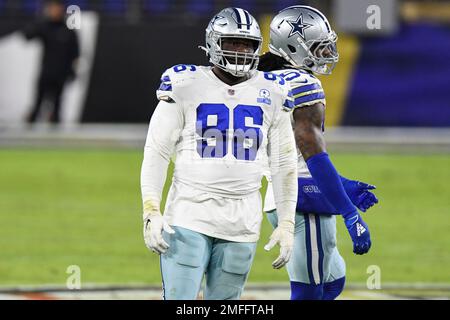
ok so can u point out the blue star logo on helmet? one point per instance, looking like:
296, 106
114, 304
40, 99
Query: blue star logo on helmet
298, 27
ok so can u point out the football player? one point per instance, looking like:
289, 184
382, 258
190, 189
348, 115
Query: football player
302, 44
222, 123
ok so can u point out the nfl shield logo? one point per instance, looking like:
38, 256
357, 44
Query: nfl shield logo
231, 92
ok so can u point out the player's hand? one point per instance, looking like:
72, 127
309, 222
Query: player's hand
359, 193
359, 232
154, 226
284, 236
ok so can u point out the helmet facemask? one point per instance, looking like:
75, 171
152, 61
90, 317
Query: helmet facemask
322, 54
236, 63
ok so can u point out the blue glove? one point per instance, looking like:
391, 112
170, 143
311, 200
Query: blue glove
359, 193
359, 232
329, 183
363, 199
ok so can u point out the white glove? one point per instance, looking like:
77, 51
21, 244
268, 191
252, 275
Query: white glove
154, 225
283, 235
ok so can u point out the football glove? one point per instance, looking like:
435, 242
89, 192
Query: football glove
359, 193
359, 232
284, 236
154, 225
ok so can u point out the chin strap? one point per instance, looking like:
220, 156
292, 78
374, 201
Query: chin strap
203, 48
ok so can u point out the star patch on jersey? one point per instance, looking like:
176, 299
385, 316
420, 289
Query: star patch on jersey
264, 97
298, 27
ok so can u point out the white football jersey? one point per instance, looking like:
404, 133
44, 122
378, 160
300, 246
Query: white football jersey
306, 90
222, 148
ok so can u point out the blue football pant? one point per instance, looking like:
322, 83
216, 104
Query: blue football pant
315, 261
192, 255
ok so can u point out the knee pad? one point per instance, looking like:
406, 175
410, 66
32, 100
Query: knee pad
228, 279
304, 291
237, 259
331, 290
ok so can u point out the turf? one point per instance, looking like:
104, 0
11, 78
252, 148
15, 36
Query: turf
82, 207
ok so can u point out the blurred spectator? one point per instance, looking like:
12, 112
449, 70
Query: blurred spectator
61, 50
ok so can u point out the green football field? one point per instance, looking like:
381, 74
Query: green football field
82, 207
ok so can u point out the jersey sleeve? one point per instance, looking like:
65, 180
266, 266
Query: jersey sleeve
173, 80
165, 92
288, 100
163, 133
307, 92
282, 154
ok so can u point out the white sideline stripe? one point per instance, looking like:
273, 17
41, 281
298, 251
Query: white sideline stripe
414, 286
374, 140
314, 248
255, 294
444, 286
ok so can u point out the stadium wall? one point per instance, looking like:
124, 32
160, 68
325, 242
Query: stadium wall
401, 80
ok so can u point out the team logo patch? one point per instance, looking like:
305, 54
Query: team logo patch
264, 97
360, 229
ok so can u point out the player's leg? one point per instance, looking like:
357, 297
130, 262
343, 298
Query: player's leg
307, 268
332, 290
334, 265
335, 283
39, 98
228, 269
57, 91
303, 267
273, 218
184, 263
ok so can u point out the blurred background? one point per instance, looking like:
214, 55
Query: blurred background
69, 178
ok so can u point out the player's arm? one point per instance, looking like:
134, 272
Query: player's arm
164, 129
311, 199
283, 167
33, 30
309, 138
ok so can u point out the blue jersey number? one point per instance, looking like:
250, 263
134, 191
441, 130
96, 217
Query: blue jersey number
247, 139
290, 75
183, 67
212, 125
272, 77
213, 121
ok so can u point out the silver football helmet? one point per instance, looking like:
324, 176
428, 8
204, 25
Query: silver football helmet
233, 23
303, 36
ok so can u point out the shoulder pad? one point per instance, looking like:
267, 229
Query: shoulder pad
173, 78
283, 88
306, 89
